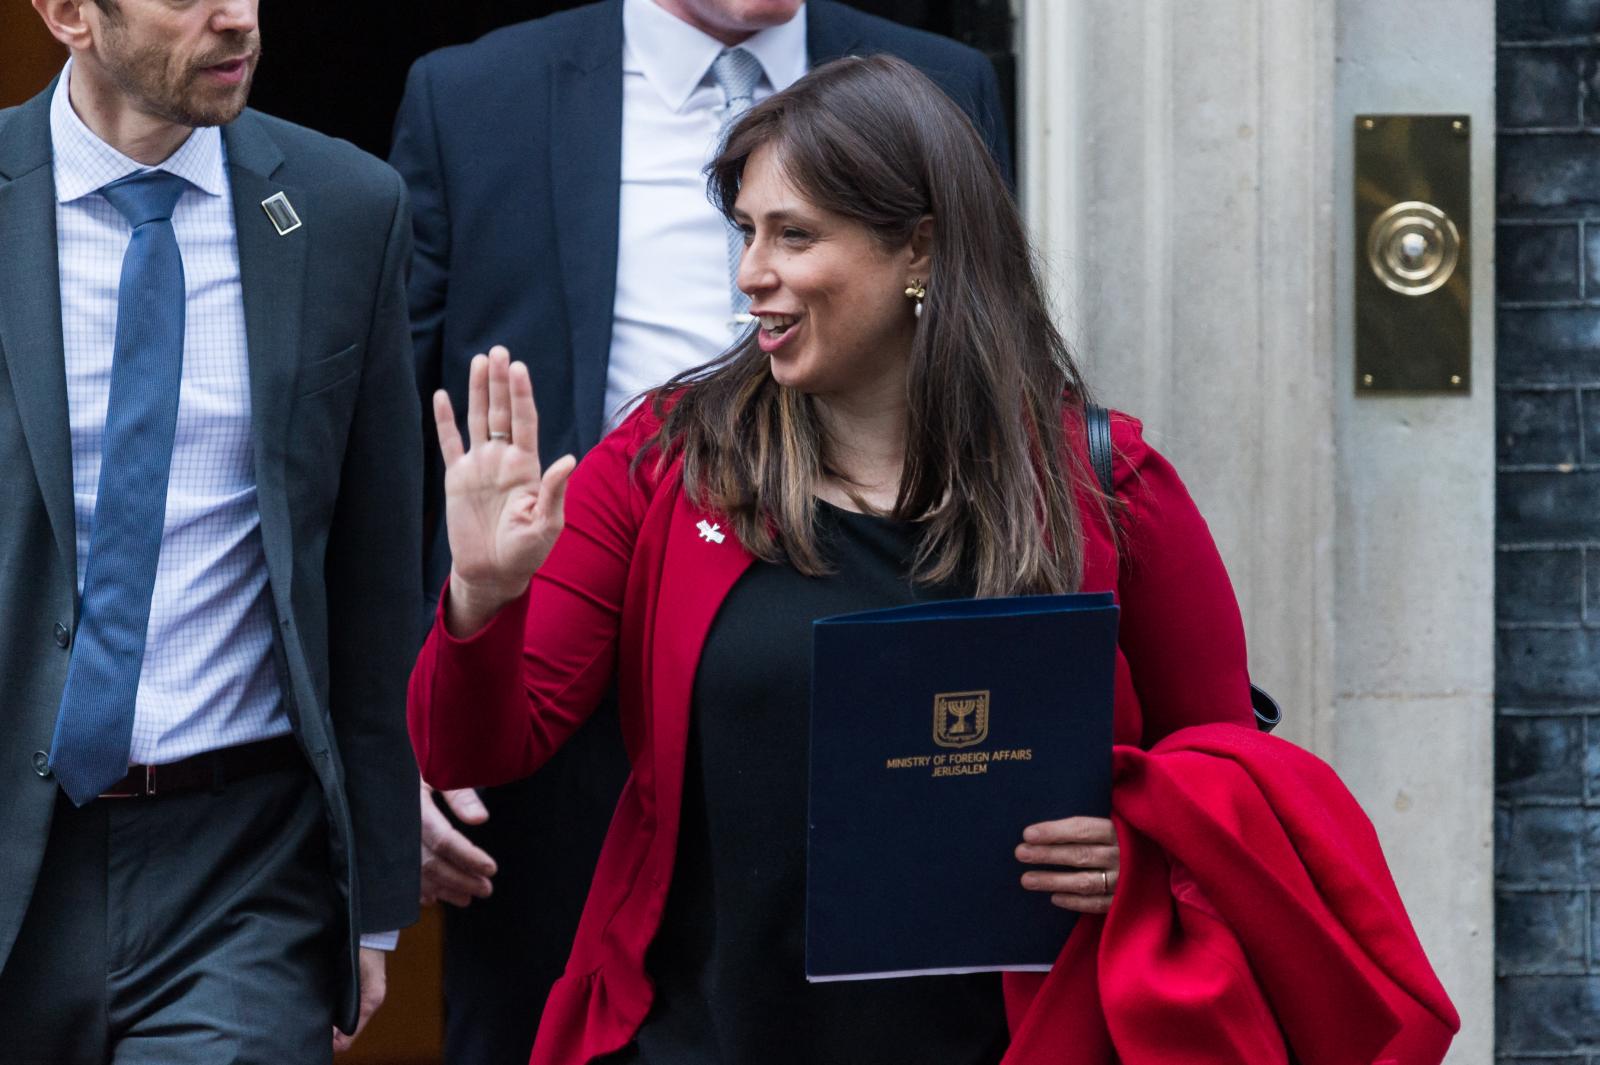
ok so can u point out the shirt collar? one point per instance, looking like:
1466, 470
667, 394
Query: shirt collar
84, 163
675, 58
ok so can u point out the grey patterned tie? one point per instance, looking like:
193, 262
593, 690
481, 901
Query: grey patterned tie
737, 72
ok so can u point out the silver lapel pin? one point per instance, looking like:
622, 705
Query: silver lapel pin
282, 213
710, 533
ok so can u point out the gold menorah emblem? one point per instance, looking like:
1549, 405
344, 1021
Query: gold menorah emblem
960, 719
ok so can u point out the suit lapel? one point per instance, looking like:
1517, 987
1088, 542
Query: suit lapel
585, 174
30, 310
831, 32
272, 274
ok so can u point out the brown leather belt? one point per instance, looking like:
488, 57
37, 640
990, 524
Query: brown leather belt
209, 770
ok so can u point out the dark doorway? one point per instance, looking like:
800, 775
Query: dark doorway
341, 67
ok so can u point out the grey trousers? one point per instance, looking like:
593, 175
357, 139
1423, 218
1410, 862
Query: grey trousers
194, 928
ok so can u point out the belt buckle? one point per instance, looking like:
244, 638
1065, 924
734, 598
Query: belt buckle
135, 790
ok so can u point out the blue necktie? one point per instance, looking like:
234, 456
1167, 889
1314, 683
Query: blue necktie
94, 728
736, 72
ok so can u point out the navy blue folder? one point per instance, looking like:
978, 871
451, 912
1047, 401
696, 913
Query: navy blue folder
938, 732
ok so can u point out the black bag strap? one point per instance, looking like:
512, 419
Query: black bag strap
1097, 421
1269, 715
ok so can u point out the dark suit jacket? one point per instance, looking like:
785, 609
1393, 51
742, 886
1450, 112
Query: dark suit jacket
336, 439
512, 148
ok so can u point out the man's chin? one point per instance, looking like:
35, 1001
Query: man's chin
213, 108
224, 116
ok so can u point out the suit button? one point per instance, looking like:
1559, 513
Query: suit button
63, 637
41, 763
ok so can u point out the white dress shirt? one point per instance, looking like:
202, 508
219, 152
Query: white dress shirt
208, 679
672, 308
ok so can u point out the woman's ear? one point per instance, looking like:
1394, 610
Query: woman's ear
921, 248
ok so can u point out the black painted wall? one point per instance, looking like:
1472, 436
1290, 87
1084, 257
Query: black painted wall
1547, 599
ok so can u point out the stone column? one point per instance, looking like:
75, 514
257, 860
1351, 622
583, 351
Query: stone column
1414, 603
1187, 174
1181, 219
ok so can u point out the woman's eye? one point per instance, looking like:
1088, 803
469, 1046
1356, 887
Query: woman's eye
793, 234
748, 233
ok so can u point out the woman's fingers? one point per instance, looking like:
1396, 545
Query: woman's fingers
1083, 903
1087, 846
1071, 830
444, 418
499, 405
1081, 855
553, 490
478, 401
524, 414
1081, 882
500, 393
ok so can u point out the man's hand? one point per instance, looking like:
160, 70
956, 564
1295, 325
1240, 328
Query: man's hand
454, 869
374, 983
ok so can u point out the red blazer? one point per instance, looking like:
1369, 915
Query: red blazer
1256, 917
630, 591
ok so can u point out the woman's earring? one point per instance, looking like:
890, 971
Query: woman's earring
917, 291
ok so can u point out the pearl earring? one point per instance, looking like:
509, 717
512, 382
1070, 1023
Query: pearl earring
917, 291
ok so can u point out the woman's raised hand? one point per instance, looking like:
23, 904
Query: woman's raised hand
503, 513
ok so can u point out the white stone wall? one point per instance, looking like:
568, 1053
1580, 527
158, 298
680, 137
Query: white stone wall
1414, 714
1187, 173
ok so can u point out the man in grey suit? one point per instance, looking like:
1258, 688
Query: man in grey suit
209, 457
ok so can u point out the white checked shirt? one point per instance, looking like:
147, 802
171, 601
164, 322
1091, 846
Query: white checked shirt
208, 680
672, 308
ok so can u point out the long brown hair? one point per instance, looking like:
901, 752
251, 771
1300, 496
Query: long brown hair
986, 470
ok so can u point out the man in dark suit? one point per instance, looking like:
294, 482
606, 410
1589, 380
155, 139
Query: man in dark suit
554, 168
209, 456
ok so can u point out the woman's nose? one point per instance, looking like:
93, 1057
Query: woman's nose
755, 272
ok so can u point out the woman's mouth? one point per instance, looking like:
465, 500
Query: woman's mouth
775, 330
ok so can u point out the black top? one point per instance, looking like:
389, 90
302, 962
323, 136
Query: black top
728, 962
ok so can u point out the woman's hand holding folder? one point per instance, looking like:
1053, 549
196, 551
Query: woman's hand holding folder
1086, 847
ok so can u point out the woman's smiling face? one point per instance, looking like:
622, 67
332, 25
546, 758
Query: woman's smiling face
830, 295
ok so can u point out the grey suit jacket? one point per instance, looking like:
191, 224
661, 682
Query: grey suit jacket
337, 442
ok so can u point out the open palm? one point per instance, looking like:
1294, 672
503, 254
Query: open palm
503, 512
